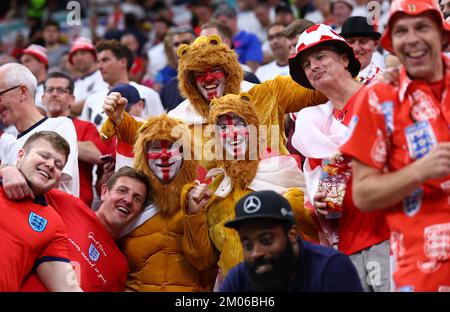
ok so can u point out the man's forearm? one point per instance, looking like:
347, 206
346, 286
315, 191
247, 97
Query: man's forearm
373, 190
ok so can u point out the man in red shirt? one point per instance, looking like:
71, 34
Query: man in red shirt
99, 263
32, 233
400, 144
325, 62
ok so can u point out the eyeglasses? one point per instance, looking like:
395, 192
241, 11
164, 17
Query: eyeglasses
9, 89
58, 90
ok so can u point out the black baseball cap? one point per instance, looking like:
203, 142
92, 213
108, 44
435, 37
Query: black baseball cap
262, 205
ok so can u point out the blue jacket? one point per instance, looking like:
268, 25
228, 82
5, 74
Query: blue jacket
321, 269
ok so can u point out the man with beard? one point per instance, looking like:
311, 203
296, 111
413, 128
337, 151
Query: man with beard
276, 259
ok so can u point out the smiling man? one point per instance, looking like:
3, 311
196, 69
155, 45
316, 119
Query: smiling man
400, 147
33, 234
364, 40
99, 264
276, 258
18, 107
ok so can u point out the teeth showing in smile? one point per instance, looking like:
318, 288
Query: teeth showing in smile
123, 210
237, 142
211, 87
416, 54
43, 173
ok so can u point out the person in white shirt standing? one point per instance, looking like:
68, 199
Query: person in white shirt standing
18, 107
83, 58
279, 45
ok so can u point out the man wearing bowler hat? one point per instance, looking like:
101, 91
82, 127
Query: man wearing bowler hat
364, 40
276, 259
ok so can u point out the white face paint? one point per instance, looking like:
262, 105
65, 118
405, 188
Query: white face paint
164, 160
233, 133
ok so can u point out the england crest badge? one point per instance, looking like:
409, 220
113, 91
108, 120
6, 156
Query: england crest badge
420, 138
93, 253
412, 203
37, 222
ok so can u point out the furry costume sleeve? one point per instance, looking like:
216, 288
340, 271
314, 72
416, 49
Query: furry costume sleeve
306, 226
291, 96
126, 131
197, 245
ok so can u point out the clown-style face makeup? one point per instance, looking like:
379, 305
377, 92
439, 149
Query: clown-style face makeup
210, 82
233, 133
164, 160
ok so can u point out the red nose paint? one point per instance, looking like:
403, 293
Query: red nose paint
165, 154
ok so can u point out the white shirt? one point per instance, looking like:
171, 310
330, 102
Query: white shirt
38, 98
153, 105
93, 108
271, 70
88, 85
315, 16
70, 181
157, 59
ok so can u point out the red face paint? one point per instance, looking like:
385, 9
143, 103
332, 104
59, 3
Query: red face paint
165, 154
234, 129
209, 75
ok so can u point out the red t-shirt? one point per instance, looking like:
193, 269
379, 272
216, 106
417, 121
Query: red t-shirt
32, 232
86, 131
98, 262
357, 230
393, 127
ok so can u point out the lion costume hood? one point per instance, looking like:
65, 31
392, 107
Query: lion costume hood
203, 53
166, 196
241, 172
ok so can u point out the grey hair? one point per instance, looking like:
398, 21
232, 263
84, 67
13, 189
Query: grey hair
17, 74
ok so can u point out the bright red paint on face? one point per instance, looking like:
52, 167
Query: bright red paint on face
165, 154
209, 75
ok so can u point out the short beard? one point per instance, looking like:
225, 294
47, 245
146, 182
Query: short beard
278, 278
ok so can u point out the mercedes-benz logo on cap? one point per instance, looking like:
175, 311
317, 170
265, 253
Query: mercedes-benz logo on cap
252, 204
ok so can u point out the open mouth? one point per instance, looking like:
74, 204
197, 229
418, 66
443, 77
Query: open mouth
123, 210
211, 87
236, 142
263, 268
165, 165
44, 173
416, 54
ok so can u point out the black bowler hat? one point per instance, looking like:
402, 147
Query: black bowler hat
357, 26
283, 7
262, 205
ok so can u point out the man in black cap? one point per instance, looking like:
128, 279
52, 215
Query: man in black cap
276, 258
135, 104
364, 40
284, 14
